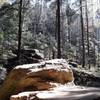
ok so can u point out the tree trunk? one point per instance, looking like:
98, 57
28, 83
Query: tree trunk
82, 30
58, 30
98, 60
88, 42
94, 37
20, 29
69, 32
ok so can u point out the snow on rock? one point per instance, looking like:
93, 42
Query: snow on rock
24, 96
57, 64
58, 91
38, 53
83, 77
36, 77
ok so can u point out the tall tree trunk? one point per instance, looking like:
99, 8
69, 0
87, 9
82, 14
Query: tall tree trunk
20, 29
69, 32
58, 30
82, 30
98, 58
94, 37
88, 42
98, 38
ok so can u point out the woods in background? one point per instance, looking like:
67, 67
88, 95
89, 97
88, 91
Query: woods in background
57, 28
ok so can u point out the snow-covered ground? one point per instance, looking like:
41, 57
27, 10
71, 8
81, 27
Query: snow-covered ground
77, 93
65, 92
70, 92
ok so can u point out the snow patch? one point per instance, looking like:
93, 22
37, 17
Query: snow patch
38, 53
51, 94
24, 94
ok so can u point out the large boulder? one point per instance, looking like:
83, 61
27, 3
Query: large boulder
27, 56
36, 77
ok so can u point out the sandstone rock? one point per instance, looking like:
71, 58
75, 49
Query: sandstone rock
36, 77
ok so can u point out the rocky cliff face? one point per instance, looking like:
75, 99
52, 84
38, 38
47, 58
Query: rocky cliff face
36, 77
